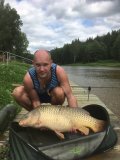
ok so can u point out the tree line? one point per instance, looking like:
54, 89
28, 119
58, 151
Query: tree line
12, 39
105, 47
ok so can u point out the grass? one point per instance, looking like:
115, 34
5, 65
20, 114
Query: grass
10, 73
4, 152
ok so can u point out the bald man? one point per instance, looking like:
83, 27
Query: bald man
45, 82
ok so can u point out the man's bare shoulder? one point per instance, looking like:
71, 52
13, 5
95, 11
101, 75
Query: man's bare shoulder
27, 81
61, 74
60, 69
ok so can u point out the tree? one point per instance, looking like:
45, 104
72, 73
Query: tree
99, 48
21, 44
66, 56
11, 37
57, 55
75, 49
116, 49
93, 51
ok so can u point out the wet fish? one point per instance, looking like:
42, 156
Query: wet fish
62, 119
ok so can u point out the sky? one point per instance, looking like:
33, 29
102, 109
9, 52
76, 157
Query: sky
52, 23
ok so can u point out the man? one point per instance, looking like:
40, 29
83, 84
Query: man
46, 82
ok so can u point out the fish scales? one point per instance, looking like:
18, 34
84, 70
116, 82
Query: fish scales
62, 119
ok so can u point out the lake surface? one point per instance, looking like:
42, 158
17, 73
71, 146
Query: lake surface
105, 83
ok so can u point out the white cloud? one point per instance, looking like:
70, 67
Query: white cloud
51, 23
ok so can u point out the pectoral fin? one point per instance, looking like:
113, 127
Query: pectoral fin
84, 130
59, 134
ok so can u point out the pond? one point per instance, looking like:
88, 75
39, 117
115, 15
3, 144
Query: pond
105, 83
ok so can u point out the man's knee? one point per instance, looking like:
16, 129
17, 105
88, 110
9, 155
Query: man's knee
58, 96
17, 92
22, 98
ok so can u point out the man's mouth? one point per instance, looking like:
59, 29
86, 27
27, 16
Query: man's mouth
43, 75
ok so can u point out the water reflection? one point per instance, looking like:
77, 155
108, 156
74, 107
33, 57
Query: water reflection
105, 83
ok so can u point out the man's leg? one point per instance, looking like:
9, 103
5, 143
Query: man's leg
57, 96
22, 98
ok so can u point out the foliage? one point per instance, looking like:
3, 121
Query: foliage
100, 48
4, 152
10, 74
12, 39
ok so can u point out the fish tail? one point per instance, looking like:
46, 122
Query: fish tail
99, 126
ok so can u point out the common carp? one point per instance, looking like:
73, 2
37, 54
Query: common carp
62, 119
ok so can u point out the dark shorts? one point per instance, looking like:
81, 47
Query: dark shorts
45, 98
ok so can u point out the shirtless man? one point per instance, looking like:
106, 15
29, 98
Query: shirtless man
45, 82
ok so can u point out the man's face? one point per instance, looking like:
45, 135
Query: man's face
42, 65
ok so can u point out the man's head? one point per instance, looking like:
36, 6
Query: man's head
42, 62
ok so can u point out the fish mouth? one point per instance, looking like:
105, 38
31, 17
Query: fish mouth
21, 123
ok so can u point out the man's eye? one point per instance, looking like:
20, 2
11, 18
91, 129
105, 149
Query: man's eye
45, 65
38, 65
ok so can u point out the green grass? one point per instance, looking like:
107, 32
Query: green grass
10, 74
4, 152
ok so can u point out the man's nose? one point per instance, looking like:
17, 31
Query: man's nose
41, 68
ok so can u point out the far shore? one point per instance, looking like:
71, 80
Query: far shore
104, 63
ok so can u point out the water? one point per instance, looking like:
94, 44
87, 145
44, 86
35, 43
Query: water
105, 83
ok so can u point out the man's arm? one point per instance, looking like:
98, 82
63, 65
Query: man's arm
29, 88
64, 83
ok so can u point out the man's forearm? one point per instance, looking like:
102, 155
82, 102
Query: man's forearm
72, 102
35, 104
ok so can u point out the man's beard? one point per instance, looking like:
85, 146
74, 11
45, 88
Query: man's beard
43, 75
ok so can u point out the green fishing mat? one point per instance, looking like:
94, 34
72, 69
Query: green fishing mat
34, 144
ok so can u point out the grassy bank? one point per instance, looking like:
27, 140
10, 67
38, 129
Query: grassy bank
10, 74
104, 63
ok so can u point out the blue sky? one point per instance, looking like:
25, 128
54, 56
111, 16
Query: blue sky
52, 23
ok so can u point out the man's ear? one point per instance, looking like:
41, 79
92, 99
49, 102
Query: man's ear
32, 62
